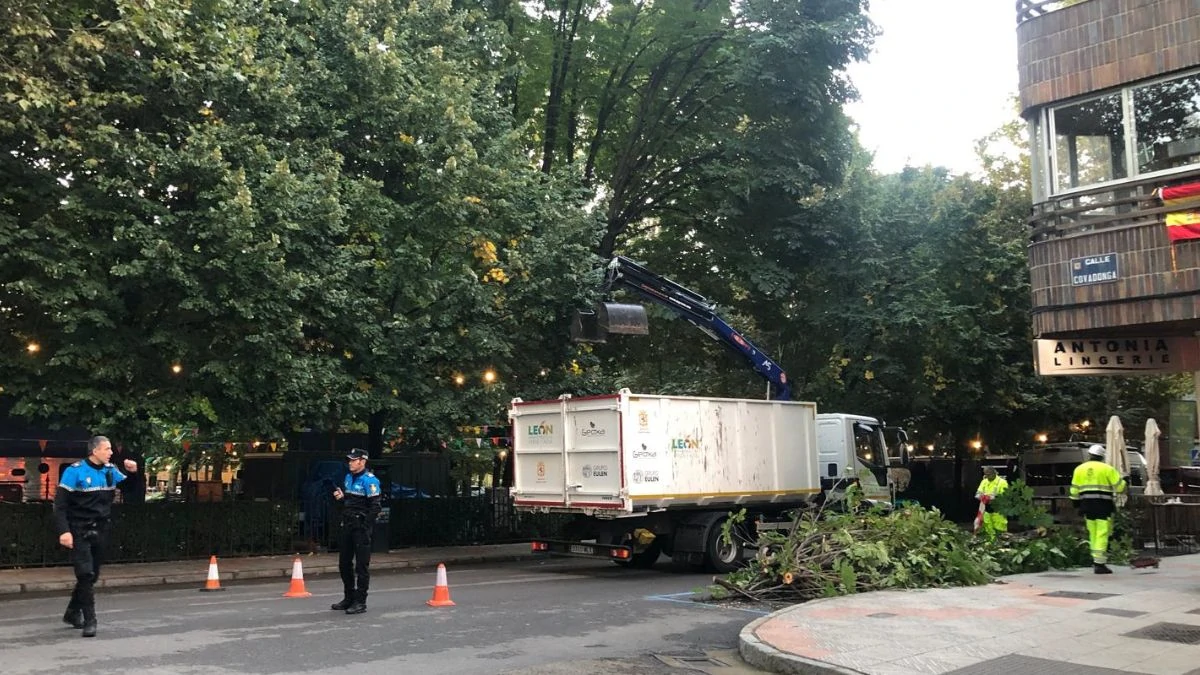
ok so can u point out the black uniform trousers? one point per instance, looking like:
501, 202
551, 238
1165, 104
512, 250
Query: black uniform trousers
354, 557
87, 553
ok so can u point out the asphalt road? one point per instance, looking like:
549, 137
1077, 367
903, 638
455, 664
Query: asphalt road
556, 617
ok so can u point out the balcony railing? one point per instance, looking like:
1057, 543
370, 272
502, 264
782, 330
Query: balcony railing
1031, 9
1103, 208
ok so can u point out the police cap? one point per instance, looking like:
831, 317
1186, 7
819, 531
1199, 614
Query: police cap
357, 453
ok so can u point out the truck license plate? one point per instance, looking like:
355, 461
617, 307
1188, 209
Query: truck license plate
585, 550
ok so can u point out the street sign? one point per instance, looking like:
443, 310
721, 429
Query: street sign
1096, 269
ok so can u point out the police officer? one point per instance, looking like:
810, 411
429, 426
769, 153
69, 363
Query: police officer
363, 502
82, 508
1094, 487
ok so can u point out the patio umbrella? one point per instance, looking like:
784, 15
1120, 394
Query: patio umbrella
1151, 450
1115, 445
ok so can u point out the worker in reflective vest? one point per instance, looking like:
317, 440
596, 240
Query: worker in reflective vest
1094, 487
991, 487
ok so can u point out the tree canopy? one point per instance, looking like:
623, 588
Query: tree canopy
251, 217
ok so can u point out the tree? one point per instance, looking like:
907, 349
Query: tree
264, 216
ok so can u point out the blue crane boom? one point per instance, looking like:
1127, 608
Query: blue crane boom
700, 312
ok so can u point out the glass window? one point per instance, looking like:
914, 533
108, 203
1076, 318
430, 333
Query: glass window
1038, 156
867, 446
1167, 117
1089, 142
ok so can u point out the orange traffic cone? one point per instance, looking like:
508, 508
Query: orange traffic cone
441, 590
296, 589
213, 583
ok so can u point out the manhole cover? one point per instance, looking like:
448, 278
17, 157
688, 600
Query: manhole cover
882, 615
1181, 633
1079, 595
1126, 613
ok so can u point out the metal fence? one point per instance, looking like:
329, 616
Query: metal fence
185, 530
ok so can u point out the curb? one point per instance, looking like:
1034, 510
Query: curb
159, 579
762, 655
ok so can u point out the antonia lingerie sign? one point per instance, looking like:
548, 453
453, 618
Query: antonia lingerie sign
1116, 356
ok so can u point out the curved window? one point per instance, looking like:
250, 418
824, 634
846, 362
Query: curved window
1167, 118
1135, 131
1089, 142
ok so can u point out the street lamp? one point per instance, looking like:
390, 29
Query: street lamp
33, 348
489, 376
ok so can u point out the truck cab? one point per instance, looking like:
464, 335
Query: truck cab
853, 447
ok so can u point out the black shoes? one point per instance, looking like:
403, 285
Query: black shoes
89, 629
356, 608
74, 617
343, 605
1101, 568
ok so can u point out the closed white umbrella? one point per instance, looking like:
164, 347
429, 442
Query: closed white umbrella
1152, 459
1115, 446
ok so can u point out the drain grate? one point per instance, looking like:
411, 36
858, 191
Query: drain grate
1111, 611
881, 615
1059, 575
690, 662
1079, 595
1180, 633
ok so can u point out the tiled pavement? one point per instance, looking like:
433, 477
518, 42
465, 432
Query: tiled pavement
1059, 623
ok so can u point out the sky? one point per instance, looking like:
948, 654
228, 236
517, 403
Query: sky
943, 74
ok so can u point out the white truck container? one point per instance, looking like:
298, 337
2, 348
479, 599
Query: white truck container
659, 474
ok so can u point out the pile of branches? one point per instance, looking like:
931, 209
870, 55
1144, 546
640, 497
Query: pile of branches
825, 554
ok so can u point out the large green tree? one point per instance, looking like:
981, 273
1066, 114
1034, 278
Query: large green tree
258, 216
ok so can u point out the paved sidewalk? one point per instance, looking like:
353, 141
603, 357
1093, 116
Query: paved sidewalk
39, 579
1054, 623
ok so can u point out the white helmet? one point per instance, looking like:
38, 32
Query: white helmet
1096, 450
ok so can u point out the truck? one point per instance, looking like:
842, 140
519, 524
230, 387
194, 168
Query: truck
647, 475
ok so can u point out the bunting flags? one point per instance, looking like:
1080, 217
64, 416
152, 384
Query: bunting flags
1184, 224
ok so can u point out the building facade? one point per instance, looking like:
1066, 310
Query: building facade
1110, 90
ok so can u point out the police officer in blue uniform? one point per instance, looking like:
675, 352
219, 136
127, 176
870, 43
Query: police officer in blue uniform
82, 511
363, 501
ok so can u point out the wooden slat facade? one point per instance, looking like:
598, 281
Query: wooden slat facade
1066, 51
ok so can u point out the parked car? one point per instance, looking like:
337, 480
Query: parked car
1048, 469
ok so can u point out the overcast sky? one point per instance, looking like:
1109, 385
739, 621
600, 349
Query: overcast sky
943, 74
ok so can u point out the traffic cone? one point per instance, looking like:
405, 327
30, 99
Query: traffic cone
213, 583
296, 589
441, 590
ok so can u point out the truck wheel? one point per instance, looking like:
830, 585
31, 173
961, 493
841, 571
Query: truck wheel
723, 556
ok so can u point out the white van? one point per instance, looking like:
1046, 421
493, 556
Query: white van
1048, 468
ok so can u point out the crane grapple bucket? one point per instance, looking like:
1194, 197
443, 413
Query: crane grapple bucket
584, 328
621, 319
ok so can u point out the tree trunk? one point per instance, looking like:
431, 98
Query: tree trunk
564, 42
375, 434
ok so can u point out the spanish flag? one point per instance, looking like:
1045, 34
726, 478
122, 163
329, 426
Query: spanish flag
1184, 224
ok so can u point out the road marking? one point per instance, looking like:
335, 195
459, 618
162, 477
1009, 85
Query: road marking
676, 597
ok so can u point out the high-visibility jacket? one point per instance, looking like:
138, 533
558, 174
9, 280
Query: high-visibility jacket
991, 487
1096, 481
